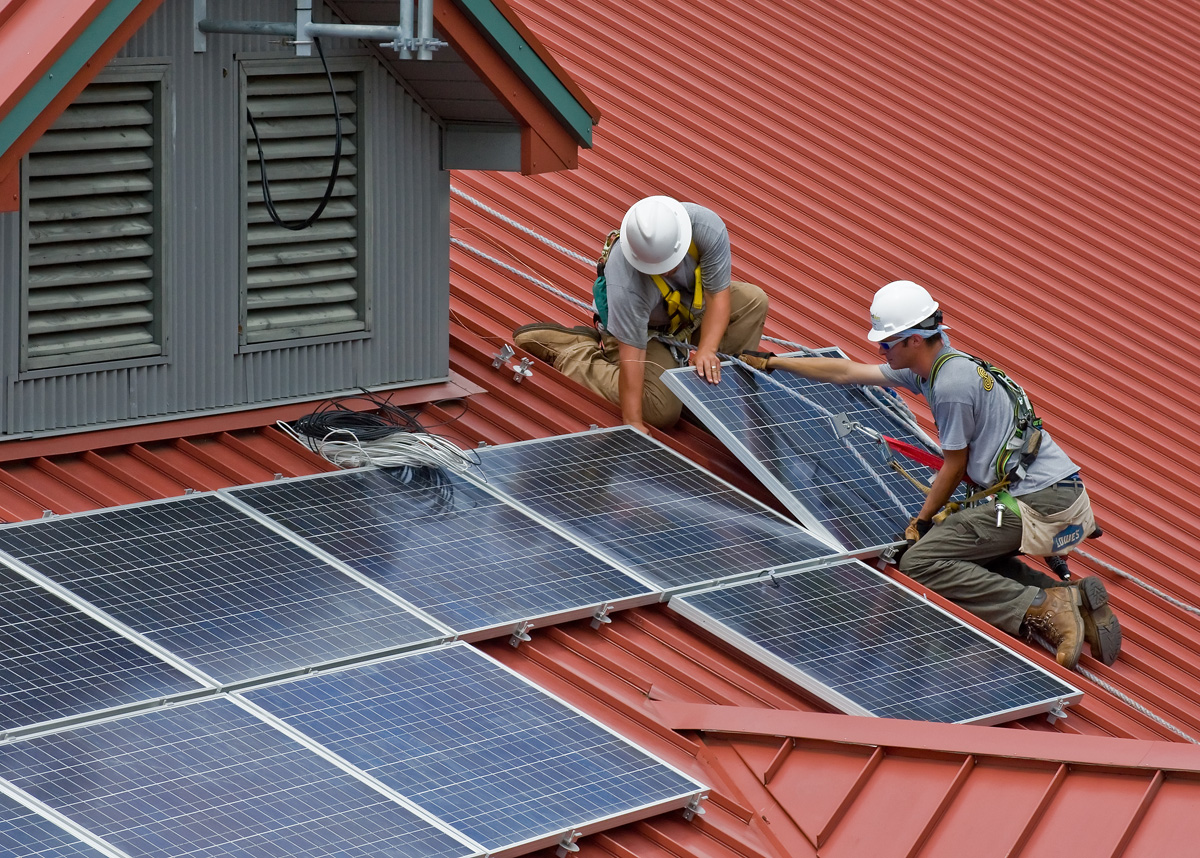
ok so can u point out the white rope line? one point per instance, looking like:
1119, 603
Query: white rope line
1166, 597
1116, 692
569, 298
543, 239
1133, 704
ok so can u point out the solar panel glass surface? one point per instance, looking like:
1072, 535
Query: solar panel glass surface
57, 662
215, 587
475, 745
780, 427
647, 508
853, 631
209, 779
25, 834
443, 544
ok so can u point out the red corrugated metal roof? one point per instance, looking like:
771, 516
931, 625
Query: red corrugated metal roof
1031, 165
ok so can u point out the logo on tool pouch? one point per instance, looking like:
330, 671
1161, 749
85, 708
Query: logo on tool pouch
1067, 537
988, 381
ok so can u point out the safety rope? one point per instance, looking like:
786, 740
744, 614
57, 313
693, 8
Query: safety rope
1121, 573
569, 298
1117, 693
566, 251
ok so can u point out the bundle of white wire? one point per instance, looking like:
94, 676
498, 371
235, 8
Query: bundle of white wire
402, 449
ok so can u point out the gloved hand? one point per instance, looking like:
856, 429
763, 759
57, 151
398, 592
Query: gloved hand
915, 530
758, 360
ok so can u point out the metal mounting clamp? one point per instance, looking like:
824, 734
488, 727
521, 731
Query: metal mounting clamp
520, 634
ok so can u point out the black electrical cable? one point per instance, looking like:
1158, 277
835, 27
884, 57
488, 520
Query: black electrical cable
298, 225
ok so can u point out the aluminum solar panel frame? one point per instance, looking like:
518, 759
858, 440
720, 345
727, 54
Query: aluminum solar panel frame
216, 593
27, 833
57, 663
471, 561
647, 509
210, 779
478, 746
781, 426
868, 646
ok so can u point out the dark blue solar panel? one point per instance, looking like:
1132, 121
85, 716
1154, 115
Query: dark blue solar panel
57, 662
780, 427
475, 745
209, 780
210, 584
25, 834
633, 499
877, 645
445, 545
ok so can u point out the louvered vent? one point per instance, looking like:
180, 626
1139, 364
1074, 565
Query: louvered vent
91, 255
302, 283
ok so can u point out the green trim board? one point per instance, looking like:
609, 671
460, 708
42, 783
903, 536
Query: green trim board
532, 69
64, 70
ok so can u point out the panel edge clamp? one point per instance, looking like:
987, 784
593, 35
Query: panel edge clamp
520, 634
567, 845
1059, 711
693, 808
601, 617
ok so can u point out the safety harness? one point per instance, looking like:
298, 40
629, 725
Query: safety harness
682, 317
1022, 445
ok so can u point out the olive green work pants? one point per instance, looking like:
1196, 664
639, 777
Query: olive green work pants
598, 369
952, 559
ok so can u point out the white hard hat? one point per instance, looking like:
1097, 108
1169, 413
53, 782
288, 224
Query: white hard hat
899, 306
656, 234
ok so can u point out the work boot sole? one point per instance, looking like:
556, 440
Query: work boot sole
1101, 629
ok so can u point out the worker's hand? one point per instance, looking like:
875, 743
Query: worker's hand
758, 360
915, 530
641, 427
708, 365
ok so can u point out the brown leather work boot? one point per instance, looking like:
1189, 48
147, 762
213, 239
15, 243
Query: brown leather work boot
544, 340
1058, 619
1101, 629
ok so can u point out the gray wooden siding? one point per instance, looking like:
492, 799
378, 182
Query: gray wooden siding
404, 254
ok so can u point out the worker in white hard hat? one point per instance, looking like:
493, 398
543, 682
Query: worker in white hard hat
666, 274
969, 557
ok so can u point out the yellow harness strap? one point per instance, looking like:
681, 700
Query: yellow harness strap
679, 313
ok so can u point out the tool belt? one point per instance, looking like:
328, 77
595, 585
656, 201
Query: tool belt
1045, 535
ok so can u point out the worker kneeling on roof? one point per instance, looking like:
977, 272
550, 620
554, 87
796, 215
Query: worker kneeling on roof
990, 435
664, 275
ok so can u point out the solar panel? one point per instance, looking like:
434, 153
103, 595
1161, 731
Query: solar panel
477, 746
27, 834
209, 780
868, 646
780, 427
647, 508
218, 589
445, 545
57, 662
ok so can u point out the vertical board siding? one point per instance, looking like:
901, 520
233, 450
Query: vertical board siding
405, 248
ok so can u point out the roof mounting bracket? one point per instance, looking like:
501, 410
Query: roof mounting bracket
601, 617
567, 845
520, 634
694, 809
303, 29
522, 371
1059, 711
500, 357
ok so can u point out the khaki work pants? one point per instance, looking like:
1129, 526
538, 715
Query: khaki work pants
598, 369
953, 559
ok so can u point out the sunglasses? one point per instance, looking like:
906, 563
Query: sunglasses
887, 345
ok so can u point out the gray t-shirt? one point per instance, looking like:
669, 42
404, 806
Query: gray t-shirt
634, 302
968, 416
